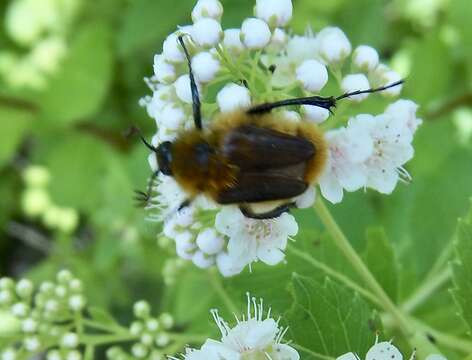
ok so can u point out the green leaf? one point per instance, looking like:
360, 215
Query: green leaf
78, 90
462, 270
102, 316
380, 259
329, 319
14, 125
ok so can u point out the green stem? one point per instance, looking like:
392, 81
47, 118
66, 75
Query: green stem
424, 292
351, 255
335, 274
312, 353
442, 260
94, 340
116, 329
215, 281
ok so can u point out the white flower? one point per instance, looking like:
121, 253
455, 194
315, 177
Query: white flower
210, 242
171, 49
349, 148
405, 110
29, 325
307, 199
164, 71
48, 53
233, 97
232, 40
313, 75
315, 113
31, 344
354, 82
183, 90
290, 115
333, 45
251, 240
254, 336
24, 288
172, 116
392, 149
278, 41
8, 354
76, 302
348, 356
382, 351
202, 260
384, 76
274, 12
207, 8
20, 310
70, 340
300, 48
255, 33
228, 266
366, 58
207, 32
205, 67
160, 98
169, 195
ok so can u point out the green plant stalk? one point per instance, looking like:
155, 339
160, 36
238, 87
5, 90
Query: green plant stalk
215, 281
336, 275
351, 255
312, 353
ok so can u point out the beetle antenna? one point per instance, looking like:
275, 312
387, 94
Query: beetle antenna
135, 130
369, 91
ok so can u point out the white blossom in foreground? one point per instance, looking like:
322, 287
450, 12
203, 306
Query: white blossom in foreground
264, 61
255, 336
384, 350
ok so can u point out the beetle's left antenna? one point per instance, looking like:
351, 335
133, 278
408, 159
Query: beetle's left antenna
197, 116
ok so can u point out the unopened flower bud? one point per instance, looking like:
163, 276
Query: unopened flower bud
207, 32
315, 113
70, 340
354, 82
255, 33
232, 41
366, 58
171, 49
205, 67
274, 12
24, 288
142, 309
313, 75
233, 97
207, 8
31, 344
210, 242
172, 117
139, 350
36, 176
166, 320
333, 45
164, 71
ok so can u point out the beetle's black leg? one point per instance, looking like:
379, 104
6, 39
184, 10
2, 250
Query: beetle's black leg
323, 102
143, 198
268, 215
197, 116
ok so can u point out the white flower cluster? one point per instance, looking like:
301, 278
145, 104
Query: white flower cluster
41, 27
152, 332
37, 314
255, 336
248, 65
385, 350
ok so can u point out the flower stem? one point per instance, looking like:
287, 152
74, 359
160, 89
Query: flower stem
312, 353
351, 255
424, 292
335, 274
218, 287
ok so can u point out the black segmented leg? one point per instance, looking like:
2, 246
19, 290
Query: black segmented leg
143, 198
273, 214
197, 116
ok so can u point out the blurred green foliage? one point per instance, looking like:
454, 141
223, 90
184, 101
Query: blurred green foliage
75, 128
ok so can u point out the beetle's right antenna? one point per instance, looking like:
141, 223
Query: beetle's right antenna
134, 130
370, 91
197, 116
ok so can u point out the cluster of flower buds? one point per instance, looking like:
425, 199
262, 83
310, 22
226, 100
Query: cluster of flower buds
37, 203
40, 27
43, 315
152, 334
259, 62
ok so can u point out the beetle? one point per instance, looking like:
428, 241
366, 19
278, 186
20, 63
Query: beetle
253, 158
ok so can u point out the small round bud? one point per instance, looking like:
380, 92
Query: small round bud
152, 325
142, 309
31, 344
354, 82
35, 201
46, 287
202, 261
29, 326
207, 9
207, 32
70, 340
227, 266
20, 310
172, 117
51, 306
36, 176
24, 288
171, 49
75, 285
113, 353
164, 71
389, 78
6, 284
74, 355
233, 97
68, 220
139, 350
232, 41
315, 113
156, 355
146, 339
274, 12
255, 34
8, 354
76, 302
6, 297
333, 45
166, 320
54, 355
313, 75
162, 340
205, 67
210, 242
183, 90
278, 41
366, 58
292, 116
136, 328
64, 277
185, 250
60, 291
